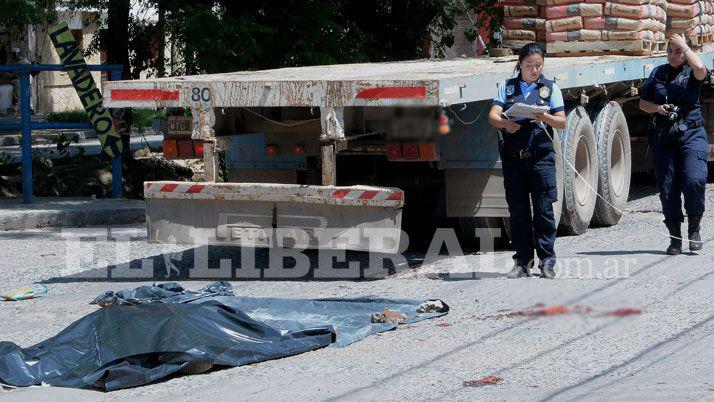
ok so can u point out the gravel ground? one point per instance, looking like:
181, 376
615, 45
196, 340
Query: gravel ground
663, 353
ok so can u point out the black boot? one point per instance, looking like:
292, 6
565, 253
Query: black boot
695, 240
675, 240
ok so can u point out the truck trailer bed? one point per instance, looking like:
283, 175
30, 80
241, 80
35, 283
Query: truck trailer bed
406, 83
255, 209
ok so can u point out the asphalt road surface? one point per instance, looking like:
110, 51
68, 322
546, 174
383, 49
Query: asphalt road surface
622, 320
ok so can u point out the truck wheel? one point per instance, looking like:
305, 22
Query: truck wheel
579, 172
614, 164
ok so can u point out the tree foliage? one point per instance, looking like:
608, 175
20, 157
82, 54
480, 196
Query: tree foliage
18, 13
489, 14
231, 35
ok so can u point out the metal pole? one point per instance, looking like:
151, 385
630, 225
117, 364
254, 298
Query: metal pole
26, 136
26, 126
116, 161
116, 176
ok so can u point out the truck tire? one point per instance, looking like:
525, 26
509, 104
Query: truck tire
614, 164
579, 172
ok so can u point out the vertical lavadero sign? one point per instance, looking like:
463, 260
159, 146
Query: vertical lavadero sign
72, 58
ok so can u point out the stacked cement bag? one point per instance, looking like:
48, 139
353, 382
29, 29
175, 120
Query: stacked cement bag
635, 19
523, 21
565, 22
690, 18
595, 20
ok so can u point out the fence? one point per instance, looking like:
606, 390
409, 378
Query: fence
26, 124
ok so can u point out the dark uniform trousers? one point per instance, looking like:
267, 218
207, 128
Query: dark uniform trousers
679, 156
680, 168
531, 180
528, 162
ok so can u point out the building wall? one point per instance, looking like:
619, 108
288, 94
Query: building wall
462, 46
55, 92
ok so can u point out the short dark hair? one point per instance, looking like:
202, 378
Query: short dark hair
529, 50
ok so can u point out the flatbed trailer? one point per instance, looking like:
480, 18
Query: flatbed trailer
344, 149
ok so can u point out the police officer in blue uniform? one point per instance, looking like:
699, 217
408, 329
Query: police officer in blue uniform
528, 161
678, 140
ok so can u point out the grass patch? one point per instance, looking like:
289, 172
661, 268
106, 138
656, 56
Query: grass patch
142, 117
72, 116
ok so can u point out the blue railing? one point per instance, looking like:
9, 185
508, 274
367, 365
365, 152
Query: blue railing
26, 125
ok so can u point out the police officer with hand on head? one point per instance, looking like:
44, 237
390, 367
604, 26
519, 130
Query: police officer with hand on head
528, 161
678, 140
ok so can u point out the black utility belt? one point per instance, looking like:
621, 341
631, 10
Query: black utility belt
684, 125
694, 123
524, 154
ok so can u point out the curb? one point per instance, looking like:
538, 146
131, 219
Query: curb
69, 213
48, 135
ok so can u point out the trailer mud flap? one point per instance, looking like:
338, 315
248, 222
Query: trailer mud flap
275, 215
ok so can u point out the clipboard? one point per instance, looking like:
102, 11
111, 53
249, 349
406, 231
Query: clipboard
521, 110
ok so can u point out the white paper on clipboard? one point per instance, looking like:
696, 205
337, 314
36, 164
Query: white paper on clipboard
521, 110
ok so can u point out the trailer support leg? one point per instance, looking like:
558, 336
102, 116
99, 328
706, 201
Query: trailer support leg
329, 173
203, 124
332, 139
210, 161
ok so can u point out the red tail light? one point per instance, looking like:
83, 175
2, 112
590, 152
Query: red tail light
444, 127
394, 151
170, 148
182, 149
271, 150
299, 149
410, 151
427, 151
198, 148
185, 149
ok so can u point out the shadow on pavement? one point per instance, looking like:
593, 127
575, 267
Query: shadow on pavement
226, 262
623, 252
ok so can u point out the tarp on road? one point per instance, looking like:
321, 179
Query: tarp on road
148, 333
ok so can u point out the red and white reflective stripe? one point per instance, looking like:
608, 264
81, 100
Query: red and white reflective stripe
185, 188
169, 188
347, 194
196, 188
393, 93
144, 95
356, 195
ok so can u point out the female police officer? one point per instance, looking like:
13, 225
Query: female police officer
678, 140
528, 161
